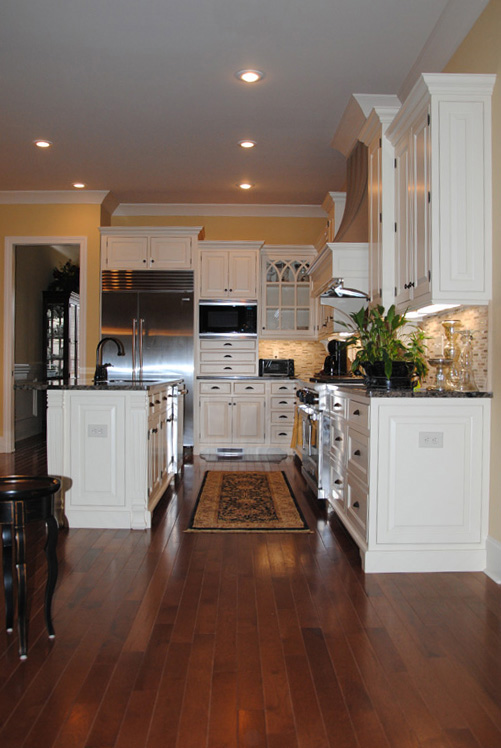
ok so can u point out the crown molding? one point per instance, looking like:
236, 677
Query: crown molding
53, 197
229, 209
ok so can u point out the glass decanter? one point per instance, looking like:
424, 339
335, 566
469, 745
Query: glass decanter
466, 376
452, 350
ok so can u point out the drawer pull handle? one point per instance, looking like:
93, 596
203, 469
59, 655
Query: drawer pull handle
338, 482
282, 433
356, 412
338, 439
283, 402
228, 368
357, 453
283, 416
157, 402
356, 505
225, 344
215, 387
227, 355
337, 405
152, 405
154, 431
282, 388
249, 387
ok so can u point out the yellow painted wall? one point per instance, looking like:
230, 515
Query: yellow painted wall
55, 221
232, 228
481, 53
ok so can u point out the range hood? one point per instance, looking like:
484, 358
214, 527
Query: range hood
338, 291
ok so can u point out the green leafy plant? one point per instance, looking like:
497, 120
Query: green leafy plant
380, 338
66, 278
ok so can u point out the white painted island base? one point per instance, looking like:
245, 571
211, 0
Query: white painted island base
115, 451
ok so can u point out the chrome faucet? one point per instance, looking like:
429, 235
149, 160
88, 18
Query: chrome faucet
101, 373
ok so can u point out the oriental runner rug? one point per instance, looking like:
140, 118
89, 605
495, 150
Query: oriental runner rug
246, 502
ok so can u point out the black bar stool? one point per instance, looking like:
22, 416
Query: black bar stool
23, 499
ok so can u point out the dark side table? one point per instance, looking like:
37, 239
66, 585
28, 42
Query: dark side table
23, 499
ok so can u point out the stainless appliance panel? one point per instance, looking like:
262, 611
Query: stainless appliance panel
167, 338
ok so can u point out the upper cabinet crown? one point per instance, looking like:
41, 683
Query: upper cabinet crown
166, 248
442, 161
229, 270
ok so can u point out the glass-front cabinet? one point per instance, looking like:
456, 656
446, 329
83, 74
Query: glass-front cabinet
287, 309
61, 321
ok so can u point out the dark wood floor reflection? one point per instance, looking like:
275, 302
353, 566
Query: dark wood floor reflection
174, 640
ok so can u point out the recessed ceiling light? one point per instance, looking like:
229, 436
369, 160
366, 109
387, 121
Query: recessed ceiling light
43, 143
245, 185
250, 76
78, 185
246, 143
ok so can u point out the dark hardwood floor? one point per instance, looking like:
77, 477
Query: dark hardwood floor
174, 640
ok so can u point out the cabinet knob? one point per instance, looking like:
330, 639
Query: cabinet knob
231, 290
152, 262
144, 261
226, 289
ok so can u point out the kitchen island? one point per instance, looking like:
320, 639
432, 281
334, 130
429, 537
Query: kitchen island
116, 447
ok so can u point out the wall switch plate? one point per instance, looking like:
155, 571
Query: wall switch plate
97, 430
431, 439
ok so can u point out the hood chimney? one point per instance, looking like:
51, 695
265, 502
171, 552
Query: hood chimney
354, 226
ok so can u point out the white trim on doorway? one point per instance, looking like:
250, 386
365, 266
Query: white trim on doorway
11, 242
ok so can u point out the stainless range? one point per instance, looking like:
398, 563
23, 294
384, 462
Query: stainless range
315, 431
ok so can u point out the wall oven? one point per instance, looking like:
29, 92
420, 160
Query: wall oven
227, 318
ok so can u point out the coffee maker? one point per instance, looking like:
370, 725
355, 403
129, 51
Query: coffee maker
336, 363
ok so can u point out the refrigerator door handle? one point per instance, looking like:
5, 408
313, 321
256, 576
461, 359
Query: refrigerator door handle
134, 342
141, 332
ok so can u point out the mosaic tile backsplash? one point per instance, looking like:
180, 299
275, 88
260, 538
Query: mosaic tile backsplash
309, 355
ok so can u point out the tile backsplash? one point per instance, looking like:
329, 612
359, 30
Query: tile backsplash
309, 355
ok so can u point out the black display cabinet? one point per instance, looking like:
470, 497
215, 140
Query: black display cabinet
61, 322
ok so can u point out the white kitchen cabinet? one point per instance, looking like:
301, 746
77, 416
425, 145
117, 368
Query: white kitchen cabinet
229, 271
234, 419
115, 450
148, 248
409, 479
247, 415
443, 233
287, 307
380, 181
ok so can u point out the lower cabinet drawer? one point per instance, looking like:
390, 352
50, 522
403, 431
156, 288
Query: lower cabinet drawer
358, 415
282, 388
282, 417
281, 435
228, 370
356, 502
337, 482
281, 403
215, 388
248, 388
358, 455
218, 357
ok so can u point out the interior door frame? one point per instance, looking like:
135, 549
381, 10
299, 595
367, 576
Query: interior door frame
11, 242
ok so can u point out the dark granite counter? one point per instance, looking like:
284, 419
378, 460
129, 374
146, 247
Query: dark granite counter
89, 384
416, 394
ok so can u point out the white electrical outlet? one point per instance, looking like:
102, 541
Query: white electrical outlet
431, 439
97, 430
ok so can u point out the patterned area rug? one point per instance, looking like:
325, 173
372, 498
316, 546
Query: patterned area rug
246, 502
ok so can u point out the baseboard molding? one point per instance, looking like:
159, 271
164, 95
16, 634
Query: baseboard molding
493, 568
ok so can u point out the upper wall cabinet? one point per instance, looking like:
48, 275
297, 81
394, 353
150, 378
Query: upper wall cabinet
149, 248
443, 215
287, 309
229, 270
380, 177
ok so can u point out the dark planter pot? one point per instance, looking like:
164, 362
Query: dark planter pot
402, 375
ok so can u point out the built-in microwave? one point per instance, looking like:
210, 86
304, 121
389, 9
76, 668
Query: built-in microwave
227, 318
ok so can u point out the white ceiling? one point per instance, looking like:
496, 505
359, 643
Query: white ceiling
140, 98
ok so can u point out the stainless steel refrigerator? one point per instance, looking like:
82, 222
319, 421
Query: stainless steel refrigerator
152, 314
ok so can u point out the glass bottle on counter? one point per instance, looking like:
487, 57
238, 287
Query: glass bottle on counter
466, 376
452, 350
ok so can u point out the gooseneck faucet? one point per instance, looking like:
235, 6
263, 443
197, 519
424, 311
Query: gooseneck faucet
101, 373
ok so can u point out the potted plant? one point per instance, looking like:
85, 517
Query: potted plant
389, 356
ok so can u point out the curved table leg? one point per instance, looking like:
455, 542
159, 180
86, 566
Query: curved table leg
20, 542
8, 581
52, 568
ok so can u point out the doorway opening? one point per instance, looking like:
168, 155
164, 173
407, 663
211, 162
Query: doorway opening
29, 270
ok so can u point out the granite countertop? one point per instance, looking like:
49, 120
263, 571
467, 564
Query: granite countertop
89, 384
416, 394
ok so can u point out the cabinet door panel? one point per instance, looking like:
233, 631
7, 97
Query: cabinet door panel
421, 248
215, 420
242, 278
248, 420
403, 229
126, 253
214, 275
375, 196
429, 494
170, 253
